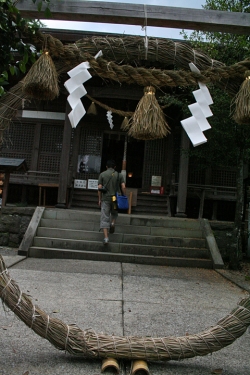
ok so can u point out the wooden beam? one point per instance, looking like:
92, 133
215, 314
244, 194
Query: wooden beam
138, 14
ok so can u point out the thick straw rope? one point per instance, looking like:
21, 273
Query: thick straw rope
131, 50
89, 344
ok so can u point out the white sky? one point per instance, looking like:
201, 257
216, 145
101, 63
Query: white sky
129, 29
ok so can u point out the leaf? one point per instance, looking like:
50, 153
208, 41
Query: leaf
25, 57
12, 70
3, 82
47, 13
22, 66
1, 91
5, 75
39, 6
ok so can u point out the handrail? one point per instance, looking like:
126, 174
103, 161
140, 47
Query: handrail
42, 172
206, 186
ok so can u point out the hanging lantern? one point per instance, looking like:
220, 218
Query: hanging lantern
241, 102
41, 82
148, 120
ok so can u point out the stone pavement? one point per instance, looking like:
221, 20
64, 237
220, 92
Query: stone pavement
123, 299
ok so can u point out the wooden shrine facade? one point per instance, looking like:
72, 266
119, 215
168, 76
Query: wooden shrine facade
53, 152
42, 135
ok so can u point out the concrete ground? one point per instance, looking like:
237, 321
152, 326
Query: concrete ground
123, 299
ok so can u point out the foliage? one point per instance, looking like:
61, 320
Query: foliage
16, 53
225, 47
225, 137
228, 142
43, 5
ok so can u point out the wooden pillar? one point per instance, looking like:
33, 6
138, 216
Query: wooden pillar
75, 150
64, 162
5, 188
169, 159
36, 146
183, 176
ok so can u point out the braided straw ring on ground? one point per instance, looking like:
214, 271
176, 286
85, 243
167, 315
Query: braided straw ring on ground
89, 344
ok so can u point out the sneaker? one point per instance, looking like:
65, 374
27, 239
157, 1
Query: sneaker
105, 241
112, 228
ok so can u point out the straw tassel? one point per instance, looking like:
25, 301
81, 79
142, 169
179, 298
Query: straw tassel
241, 102
148, 121
125, 124
92, 109
41, 82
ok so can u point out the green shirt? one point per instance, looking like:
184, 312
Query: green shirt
109, 179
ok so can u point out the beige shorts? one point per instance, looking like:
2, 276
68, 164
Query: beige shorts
106, 216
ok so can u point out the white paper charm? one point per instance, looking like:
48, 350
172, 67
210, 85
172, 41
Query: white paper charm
110, 119
193, 130
197, 124
74, 86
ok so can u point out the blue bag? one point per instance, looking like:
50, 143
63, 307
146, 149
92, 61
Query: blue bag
122, 202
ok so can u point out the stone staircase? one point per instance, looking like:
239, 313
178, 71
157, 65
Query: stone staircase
74, 234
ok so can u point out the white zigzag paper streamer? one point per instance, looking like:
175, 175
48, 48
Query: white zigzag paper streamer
110, 119
197, 123
74, 86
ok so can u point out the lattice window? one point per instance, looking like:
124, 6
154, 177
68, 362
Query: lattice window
50, 148
18, 142
51, 138
196, 176
222, 177
49, 162
154, 161
90, 144
91, 141
19, 137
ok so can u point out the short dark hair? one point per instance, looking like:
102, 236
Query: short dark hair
111, 164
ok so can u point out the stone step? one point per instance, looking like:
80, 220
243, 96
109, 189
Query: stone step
161, 240
116, 247
83, 195
128, 229
92, 235
85, 206
155, 210
107, 255
123, 219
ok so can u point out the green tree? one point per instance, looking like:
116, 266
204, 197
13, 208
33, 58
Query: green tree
16, 54
228, 142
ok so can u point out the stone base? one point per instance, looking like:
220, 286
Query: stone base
180, 214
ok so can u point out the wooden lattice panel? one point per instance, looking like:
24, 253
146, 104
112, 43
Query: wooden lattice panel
223, 177
49, 163
19, 137
51, 138
196, 176
155, 159
18, 142
90, 144
91, 141
50, 148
